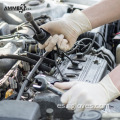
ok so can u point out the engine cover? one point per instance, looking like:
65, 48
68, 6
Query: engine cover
90, 69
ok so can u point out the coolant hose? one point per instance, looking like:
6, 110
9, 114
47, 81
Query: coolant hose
26, 59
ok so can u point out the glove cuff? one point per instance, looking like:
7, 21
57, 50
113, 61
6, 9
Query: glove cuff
110, 88
81, 20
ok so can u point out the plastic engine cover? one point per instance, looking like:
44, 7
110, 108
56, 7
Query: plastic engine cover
19, 110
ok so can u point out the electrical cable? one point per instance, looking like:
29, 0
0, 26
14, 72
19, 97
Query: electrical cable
78, 45
103, 39
91, 40
85, 47
58, 51
90, 47
107, 62
55, 57
68, 57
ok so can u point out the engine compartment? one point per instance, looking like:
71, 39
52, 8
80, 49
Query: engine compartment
94, 55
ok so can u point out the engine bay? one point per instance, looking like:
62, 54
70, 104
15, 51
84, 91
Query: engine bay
94, 55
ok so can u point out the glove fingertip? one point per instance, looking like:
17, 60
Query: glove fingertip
64, 99
48, 49
69, 107
55, 48
41, 46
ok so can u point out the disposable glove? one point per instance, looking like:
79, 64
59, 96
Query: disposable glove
82, 94
70, 26
50, 44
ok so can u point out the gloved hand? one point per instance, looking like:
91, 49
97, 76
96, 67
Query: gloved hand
70, 27
52, 41
95, 96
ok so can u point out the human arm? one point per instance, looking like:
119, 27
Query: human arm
79, 22
115, 77
102, 13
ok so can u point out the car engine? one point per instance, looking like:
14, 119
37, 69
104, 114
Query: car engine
24, 67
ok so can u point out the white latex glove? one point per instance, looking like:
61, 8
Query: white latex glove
70, 26
52, 41
82, 93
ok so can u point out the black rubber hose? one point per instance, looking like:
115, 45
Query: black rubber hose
26, 59
37, 57
91, 45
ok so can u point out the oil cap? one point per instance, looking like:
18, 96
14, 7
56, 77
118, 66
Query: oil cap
34, 3
88, 115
